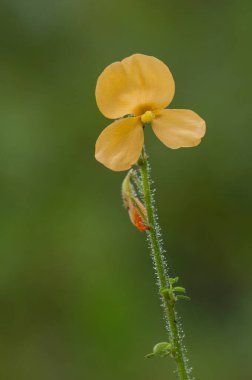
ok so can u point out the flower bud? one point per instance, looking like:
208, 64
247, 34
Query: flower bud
137, 211
137, 214
161, 350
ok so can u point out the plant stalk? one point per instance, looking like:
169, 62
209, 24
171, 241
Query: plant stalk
160, 266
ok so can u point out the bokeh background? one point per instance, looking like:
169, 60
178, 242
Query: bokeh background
77, 294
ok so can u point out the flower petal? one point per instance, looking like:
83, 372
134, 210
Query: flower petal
137, 84
178, 128
119, 145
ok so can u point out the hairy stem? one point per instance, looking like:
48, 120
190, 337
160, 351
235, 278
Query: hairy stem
160, 266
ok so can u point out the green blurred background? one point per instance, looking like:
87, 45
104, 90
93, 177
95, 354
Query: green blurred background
77, 294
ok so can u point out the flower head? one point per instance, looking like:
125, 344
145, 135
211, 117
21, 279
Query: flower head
141, 87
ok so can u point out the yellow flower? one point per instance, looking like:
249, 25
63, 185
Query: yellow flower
140, 86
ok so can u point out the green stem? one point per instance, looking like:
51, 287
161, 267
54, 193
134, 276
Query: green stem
161, 270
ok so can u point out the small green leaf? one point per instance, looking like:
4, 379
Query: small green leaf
173, 280
180, 297
165, 290
179, 289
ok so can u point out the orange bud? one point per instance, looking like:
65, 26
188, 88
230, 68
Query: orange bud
137, 219
136, 209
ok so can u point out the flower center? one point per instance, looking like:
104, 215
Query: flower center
147, 117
